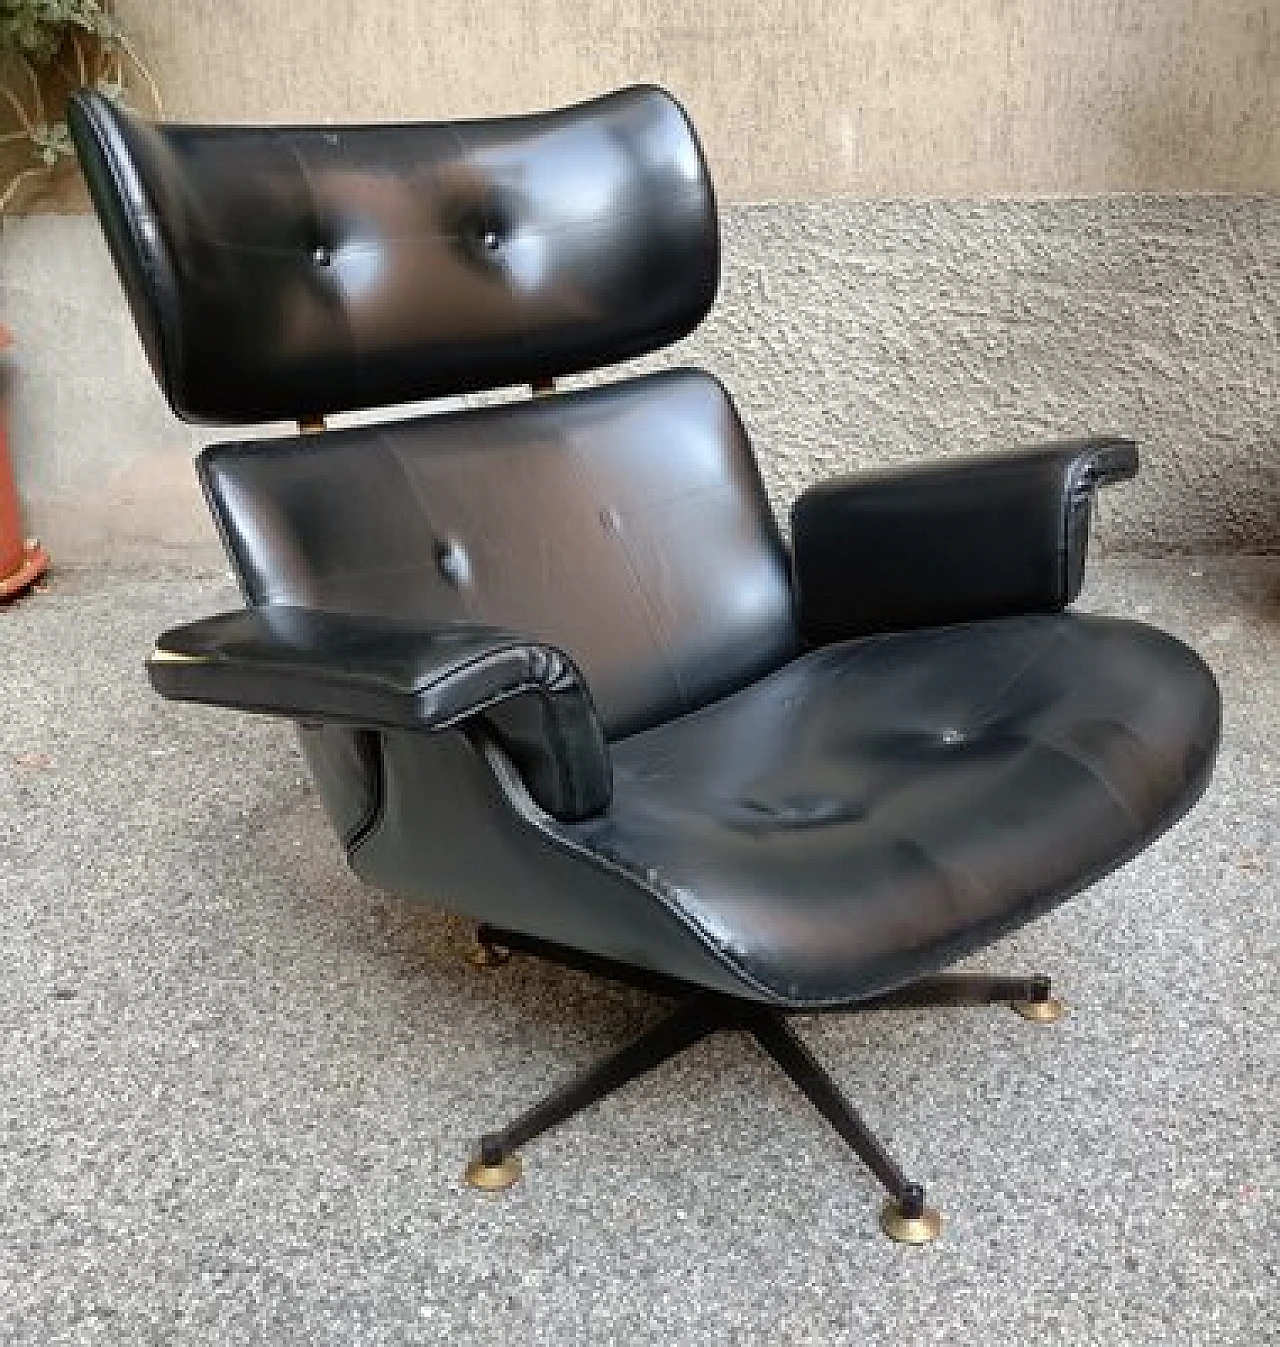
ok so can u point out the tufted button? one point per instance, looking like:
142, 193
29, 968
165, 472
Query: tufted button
953, 736
321, 255
490, 240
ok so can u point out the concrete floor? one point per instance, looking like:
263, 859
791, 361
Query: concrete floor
238, 1089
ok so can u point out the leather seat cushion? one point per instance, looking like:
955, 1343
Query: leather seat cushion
879, 807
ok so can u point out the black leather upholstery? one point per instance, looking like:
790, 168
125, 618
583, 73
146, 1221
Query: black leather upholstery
952, 541
380, 673
867, 813
285, 272
880, 807
450, 820
791, 821
626, 525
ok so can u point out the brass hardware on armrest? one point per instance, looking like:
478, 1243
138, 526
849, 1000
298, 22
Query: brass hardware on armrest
311, 425
543, 387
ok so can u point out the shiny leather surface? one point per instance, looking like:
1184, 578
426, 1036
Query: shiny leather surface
382, 673
805, 826
879, 807
952, 541
346, 766
625, 525
285, 272
456, 826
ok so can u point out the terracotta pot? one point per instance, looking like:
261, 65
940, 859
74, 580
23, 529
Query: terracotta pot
22, 560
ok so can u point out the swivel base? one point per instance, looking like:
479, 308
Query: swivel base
905, 1217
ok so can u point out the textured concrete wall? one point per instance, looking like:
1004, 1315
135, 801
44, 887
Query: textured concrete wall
852, 334
795, 98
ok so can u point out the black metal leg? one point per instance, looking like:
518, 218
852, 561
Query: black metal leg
672, 1034
941, 989
962, 989
781, 1042
905, 1217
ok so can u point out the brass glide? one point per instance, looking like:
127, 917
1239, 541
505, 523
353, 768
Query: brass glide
1047, 1010
494, 1177
485, 955
900, 1224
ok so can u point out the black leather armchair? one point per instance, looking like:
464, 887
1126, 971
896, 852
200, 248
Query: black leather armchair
551, 661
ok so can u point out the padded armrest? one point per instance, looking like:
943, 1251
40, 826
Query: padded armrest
952, 541
379, 673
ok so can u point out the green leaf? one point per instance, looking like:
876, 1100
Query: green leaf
52, 141
36, 29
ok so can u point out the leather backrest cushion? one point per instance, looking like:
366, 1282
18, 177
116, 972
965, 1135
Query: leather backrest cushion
284, 272
626, 525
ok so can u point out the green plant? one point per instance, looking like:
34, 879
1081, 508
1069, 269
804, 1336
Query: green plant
62, 43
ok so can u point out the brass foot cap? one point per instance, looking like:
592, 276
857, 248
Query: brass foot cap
922, 1229
493, 1178
1048, 1011
489, 956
